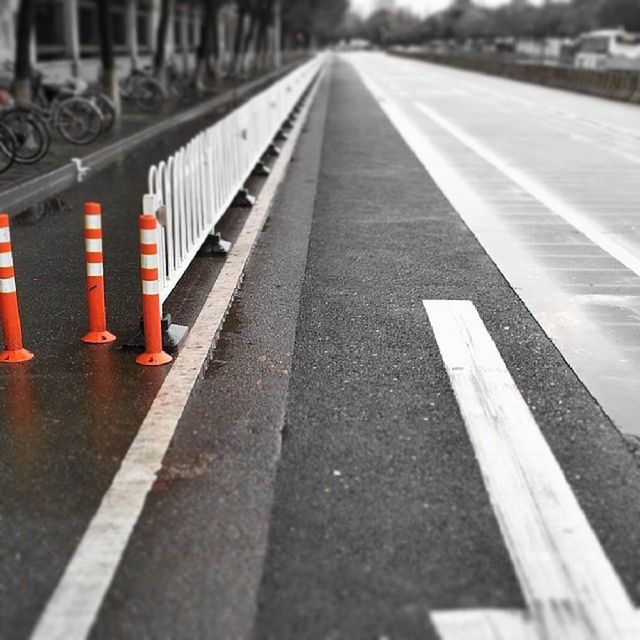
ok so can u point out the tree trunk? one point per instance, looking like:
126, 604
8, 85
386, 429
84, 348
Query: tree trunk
215, 43
261, 38
159, 61
277, 34
247, 43
258, 63
205, 44
237, 44
22, 74
109, 76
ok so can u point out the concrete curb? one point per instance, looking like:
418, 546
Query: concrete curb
32, 190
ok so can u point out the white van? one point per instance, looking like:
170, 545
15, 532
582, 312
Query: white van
608, 49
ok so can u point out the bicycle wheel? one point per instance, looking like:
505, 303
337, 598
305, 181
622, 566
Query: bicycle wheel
149, 94
106, 107
7, 148
78, 121
31, 133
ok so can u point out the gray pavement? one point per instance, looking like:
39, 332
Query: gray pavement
547, 181
380, 514
321, 483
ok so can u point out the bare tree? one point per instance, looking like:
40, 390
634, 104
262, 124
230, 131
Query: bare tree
208, 39
265, 18
243, 9
109, 76
249, 37
22, 74
159, 57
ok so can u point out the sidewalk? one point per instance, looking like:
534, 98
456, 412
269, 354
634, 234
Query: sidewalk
24, 185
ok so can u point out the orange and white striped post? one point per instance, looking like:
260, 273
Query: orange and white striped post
151, 306
98, 333
9, 313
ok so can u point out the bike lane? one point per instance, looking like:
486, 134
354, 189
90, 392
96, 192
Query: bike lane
381, 514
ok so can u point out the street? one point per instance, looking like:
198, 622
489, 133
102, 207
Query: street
418, 419
550, 190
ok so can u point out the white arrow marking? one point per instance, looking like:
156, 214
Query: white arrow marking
571, 589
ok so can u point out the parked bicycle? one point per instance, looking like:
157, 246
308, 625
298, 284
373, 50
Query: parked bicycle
7, 148
180, 85
94, 94
30, 134
146, 92
76, 118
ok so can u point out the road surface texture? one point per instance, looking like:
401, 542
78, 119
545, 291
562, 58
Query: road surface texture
356, 462
551, 191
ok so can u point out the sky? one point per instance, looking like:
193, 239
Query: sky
422, 7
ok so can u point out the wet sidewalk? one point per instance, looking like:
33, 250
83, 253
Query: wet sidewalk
23, 186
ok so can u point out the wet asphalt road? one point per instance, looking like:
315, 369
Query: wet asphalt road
552, 188
321, 483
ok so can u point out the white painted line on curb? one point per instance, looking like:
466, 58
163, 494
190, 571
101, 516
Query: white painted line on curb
74, 605
571, 589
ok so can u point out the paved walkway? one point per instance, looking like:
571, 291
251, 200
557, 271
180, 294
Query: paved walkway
25, 186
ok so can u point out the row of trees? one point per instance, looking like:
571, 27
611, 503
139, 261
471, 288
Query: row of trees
303, 23
464, 19
313, 20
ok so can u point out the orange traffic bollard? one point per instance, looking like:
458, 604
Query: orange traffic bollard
151, 307
9, 313
98, 333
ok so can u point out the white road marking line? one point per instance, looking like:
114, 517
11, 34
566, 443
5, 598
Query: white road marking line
456, 188
484, 624
74, 605
571, 589
540, 192
536, 107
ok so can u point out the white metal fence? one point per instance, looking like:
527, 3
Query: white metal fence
198, 183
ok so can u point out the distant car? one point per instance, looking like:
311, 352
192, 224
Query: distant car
608, 49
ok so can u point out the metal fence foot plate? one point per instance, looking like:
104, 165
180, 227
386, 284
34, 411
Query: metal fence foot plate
173, 335
243, 199
261, 170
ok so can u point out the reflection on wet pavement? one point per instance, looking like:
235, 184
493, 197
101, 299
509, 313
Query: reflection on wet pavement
584, 152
